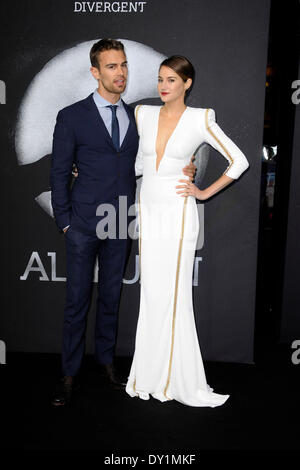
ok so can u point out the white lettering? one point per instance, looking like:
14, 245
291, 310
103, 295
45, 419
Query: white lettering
2, 92
196, 270
91, 6
106, 7
123, 217
115, 460
200, 240
151, 459
133, 228
53, 268
77, 7
2, 352
109, 221
137, 272
296, 354
142, 6
133, 7
296, 94
40, 268
115, 5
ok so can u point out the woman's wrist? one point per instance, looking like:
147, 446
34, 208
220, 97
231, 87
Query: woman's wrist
201, 194
205, 193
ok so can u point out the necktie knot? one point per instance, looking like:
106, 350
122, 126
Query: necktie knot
113, 107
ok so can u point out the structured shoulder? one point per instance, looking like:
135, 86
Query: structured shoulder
144, 109
210, 117
206, 115
138, 111
69, 110
141, 111
199, 111
75, 108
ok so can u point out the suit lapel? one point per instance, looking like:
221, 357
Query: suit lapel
130, 125
96, 117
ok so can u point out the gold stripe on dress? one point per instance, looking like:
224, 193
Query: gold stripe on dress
175, 298
140, 224
219, 142
140, 255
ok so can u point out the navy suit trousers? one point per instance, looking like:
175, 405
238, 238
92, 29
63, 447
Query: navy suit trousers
82, 251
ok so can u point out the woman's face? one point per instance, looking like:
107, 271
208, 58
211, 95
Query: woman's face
170, 86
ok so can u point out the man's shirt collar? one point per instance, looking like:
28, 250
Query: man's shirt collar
102, 102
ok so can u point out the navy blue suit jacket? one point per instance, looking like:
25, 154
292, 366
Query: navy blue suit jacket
80, 136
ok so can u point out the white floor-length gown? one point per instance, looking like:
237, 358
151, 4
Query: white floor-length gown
167, 362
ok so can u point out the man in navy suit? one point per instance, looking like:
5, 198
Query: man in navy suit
99, 135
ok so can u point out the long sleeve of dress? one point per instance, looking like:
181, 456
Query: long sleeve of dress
139, 158
237, 162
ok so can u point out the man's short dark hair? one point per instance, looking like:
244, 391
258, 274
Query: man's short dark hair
104, 45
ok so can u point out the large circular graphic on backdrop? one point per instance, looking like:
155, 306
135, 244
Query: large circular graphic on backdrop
66, 79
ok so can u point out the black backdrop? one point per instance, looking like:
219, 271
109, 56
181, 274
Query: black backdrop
227, 43
290, 324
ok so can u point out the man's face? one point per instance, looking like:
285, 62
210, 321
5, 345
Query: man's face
112, 72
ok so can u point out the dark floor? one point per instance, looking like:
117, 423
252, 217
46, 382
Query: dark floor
262, 412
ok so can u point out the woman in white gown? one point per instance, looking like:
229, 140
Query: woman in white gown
167, 362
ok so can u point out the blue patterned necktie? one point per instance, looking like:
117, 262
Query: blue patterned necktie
115, 130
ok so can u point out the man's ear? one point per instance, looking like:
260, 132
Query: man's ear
95, 72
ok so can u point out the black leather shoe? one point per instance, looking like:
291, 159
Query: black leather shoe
64, 391
112, 376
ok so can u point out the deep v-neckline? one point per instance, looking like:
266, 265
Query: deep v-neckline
156, 136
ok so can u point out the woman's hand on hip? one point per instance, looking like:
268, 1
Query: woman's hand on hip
190, 189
